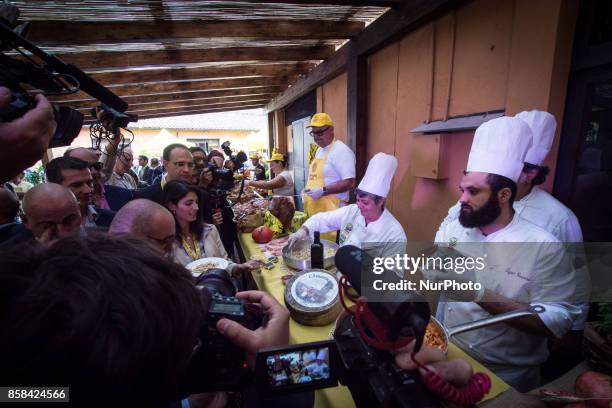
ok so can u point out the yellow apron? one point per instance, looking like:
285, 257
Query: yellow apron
325, 203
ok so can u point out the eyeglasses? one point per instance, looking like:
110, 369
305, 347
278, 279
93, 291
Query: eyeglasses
319, 132
191, 165
96, 166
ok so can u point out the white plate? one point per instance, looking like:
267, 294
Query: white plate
219, 263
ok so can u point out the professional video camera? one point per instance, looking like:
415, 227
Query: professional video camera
360, 354
47, 73
218, 364
239, 159
223, 178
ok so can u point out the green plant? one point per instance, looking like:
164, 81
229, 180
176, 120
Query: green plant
36, 176
604, 323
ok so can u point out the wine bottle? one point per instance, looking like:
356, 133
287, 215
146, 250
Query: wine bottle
316, 252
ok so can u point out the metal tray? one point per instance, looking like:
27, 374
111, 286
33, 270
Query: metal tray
303, 264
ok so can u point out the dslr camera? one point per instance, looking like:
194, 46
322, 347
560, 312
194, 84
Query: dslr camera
217, 363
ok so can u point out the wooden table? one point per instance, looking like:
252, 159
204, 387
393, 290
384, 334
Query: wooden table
270, 281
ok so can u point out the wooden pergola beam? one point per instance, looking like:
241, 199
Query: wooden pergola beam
143, 109
197, 112
180, 96
63, 33
171, 73
107, 59
186, 86
196, 102
357, 3
199, 108
85, 107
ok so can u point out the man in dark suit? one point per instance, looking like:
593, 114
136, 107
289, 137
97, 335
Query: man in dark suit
178, 164
144, 171
74, 174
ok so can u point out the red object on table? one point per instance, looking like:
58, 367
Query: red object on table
262, 235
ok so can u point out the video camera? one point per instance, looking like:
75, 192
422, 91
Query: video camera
51, 75
350, 358
239, 159
359, 355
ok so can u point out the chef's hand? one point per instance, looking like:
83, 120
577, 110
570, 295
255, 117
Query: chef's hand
315, 193
456, 371
299, 235
274, 333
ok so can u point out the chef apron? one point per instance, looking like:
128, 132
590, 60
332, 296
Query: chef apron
325, 203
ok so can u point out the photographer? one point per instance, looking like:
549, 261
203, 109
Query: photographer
117, 330
24, 140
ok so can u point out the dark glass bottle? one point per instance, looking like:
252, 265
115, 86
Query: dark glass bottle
316, 252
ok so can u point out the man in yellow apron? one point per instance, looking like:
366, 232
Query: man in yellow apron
331, 174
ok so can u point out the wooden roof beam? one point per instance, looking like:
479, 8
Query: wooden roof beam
356, 3
144, 102
180, 96
70, 33
140, 109
186, 86
128, 75
192, 102
108, 59
196, 112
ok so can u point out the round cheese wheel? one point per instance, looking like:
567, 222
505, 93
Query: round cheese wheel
312, 297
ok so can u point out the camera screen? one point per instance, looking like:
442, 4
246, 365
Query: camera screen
305, 366
226, 308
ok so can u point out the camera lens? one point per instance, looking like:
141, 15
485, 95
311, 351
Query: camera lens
217, 281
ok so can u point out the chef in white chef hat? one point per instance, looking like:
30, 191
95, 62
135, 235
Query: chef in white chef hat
366, 221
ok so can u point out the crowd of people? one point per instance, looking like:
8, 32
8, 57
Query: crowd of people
95, 293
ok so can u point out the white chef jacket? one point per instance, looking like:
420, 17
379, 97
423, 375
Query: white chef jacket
545, 211
530, 271
340, 164
541, 209
385, 236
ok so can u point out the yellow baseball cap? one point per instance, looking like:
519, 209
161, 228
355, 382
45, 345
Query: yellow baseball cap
276, 157
320, 120
254, 156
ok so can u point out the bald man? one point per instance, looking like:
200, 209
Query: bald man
148, 220
9, 207
50, 212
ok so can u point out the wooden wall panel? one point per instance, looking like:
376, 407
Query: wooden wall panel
333, 101
482, 48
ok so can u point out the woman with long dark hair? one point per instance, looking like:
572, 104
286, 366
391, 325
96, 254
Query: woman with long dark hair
195, 238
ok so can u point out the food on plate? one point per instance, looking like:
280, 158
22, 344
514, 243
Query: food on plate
262, 235
304, 254
249, 215
434, 336
200, 269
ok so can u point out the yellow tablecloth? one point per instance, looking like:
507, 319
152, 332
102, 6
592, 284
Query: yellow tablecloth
270, 281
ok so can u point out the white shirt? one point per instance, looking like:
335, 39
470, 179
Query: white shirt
541, 209
340, 164
385, 235
124, 181
287, 189
530, 268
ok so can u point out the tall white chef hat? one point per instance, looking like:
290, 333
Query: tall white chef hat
378, 176
499, 147
543, 126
